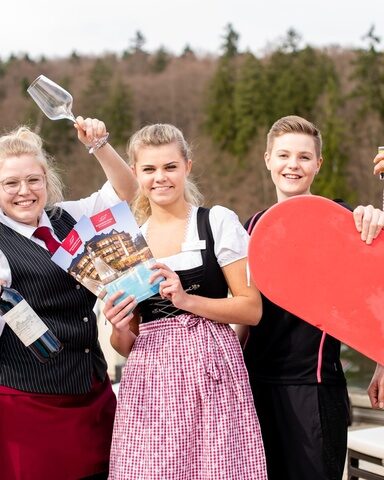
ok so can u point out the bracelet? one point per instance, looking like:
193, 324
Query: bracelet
98, 144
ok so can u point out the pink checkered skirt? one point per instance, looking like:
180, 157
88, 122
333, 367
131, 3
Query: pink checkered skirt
185, 409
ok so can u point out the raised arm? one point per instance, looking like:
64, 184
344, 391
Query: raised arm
117, 171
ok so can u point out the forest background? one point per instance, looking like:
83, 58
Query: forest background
224, 104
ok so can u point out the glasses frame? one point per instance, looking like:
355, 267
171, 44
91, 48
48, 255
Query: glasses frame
19, 181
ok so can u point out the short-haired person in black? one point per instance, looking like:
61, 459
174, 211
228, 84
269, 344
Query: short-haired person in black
295, 370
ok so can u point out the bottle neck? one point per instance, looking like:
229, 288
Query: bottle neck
8, 299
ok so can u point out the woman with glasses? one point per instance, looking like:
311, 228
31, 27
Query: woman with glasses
55, 418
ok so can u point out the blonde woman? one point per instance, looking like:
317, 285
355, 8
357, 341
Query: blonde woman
55, 418
185, 408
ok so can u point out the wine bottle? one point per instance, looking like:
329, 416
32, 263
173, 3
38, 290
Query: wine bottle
27, 325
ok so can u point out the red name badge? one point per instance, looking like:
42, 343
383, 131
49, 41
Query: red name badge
72, 242
103, 220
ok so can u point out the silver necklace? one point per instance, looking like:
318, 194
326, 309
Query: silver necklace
186, 228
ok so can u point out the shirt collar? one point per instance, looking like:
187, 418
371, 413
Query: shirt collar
22, 228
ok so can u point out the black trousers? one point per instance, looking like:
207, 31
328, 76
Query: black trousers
304, 429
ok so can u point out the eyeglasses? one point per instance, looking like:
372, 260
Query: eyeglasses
12, 184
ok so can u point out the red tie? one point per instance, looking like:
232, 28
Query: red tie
44, 233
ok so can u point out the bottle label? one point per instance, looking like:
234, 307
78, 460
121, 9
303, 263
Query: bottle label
25, 322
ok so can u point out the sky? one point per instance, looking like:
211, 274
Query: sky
56, 28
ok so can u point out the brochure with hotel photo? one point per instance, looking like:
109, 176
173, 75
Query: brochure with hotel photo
107, 252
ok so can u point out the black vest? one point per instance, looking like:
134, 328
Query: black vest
64, 306
206, 280
283, 349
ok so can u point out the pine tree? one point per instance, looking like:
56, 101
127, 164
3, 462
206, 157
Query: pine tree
188, 52
97, 90
220, 112
291, 42
75, 58
136, 46
138, 42
220, 108
332, 181
249, 103
118, 113
24, 84
160, 60
369, 75
296, 81
231, 40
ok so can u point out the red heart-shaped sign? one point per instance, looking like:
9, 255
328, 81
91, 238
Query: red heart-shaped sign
306, 256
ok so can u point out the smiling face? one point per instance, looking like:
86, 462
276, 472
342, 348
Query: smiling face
24, 206
293, 163
161, 172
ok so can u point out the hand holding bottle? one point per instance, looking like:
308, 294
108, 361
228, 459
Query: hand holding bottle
26, 324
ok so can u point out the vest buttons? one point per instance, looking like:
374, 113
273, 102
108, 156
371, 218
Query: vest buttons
86, 350
85, 319
78, 287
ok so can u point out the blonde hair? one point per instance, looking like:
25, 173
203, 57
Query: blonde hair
155, 135
294, 124
22, 141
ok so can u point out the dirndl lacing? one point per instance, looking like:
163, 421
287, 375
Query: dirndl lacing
213, 344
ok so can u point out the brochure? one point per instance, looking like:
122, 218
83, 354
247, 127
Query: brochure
107, 252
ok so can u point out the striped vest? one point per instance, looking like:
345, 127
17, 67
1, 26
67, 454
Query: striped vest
64, 306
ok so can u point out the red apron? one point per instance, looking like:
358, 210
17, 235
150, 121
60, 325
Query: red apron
60, 437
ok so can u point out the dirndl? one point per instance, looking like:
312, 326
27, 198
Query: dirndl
185, 408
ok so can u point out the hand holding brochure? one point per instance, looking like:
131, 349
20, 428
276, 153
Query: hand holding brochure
107, 252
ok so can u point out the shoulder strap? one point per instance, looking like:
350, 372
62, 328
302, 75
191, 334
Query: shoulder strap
253, 221
212, 269
204, 225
